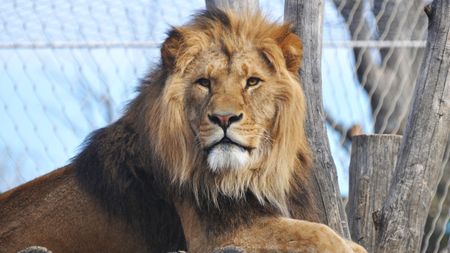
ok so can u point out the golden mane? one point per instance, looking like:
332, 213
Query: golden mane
286, 160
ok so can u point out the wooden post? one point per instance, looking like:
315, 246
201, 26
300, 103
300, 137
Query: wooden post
372, 165
306, 16
427, 133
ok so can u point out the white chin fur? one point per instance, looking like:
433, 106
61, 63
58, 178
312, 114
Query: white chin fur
226, 156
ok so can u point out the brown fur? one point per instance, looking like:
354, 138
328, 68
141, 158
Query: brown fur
149, 169
52, 211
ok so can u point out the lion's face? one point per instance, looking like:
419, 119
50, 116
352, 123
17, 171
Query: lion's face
231, 106
230, 111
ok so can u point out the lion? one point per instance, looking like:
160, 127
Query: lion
211, 153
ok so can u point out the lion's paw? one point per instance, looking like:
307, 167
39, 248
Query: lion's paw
293, 236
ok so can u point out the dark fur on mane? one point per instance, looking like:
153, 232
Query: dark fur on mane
205, 17
112, 168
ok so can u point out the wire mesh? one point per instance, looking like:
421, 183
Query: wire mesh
69, 67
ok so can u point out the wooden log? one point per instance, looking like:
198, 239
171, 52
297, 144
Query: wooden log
373, 159
306, 16
426, 135
35, 249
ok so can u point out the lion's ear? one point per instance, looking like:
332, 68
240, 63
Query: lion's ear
292, 49
170, 48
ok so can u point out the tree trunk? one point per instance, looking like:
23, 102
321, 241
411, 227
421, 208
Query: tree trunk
426, 135
371, 168
307, 17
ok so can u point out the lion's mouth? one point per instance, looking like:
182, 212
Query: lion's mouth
227, 141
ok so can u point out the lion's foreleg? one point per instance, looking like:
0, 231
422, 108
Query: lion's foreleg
264, 234
195, 231
289, 235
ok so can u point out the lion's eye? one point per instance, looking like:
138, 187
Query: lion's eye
253, 81
204, 82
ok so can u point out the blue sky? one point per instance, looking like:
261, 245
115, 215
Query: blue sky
50, 99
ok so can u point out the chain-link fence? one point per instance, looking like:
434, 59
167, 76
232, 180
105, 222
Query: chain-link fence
69, 67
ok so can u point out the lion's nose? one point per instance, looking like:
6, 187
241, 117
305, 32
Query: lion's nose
224, 120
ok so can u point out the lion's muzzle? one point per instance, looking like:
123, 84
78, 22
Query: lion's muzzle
225, 152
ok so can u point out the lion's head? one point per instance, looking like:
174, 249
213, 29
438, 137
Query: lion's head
228, 114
